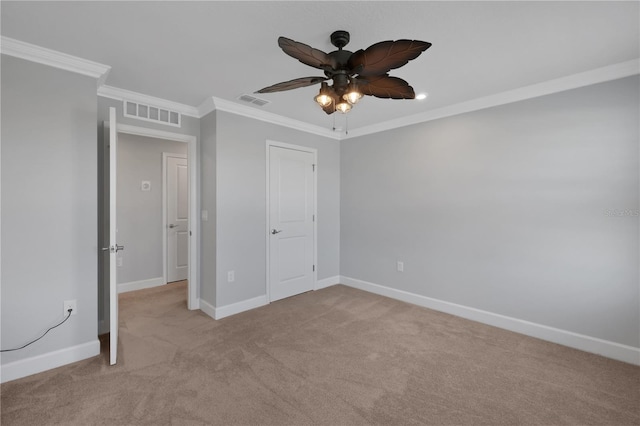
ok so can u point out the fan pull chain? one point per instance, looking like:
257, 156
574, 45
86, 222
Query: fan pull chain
334, 122
346, 124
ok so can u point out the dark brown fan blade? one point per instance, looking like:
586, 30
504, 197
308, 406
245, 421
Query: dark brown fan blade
386, 87
381, 57
307, 54
292, 84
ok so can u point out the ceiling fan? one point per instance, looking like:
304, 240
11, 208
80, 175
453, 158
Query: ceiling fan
354, 74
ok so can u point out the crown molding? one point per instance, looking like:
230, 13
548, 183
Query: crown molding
218, 104
206, 107
123, 94
598, 75
53, 58
99, 71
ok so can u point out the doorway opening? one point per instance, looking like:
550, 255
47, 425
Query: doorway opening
142, 187
178, 169
152, 212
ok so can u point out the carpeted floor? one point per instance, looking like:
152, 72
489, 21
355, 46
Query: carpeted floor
337, 356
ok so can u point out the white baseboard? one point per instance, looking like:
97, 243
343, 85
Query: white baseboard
232, 309
195, 306
256, 302
37, 364
327, 282
236, 308
582, 342
208, 308
139, 285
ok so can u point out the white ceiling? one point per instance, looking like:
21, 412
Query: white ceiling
189, 51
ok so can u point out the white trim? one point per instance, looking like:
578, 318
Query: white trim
53, 58
582, 342
153, 133
139, 285
123, 94
193, 164
246, 111
242, 306
208, 308
206, 107
598, 75
314, 152
327, 282
165, 224
39, 363
99, 71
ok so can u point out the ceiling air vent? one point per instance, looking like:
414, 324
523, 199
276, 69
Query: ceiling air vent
253, 100
152, 113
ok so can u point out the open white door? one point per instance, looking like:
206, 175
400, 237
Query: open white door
113, 245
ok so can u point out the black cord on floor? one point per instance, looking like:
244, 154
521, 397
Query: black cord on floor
33, 341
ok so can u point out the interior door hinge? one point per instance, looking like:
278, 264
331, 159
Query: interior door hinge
314, 167
313, 218
314, 268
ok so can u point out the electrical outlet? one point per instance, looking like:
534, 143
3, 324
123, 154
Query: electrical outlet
400, 266
70, 304
231, 276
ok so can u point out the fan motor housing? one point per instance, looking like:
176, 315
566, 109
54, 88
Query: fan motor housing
340, 38
341, 57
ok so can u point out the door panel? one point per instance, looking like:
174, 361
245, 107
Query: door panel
291, 210
177, 218
292, 191
292, 255
113, 244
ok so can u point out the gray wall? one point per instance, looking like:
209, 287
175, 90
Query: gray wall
49, 193
241, 203
208, 204
140, 212
507, 210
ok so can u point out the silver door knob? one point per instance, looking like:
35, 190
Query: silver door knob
275, 231
172, 226
113, 249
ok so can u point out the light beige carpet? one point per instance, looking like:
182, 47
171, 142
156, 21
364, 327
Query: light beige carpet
337, 356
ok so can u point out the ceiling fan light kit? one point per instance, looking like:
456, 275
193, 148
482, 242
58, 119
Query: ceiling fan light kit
353, 75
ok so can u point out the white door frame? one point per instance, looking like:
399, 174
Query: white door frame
165, 264
313, 151
193, 302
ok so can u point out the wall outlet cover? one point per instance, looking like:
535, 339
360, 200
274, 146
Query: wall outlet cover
70, 304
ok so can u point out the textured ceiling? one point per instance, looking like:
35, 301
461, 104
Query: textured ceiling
189, 51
